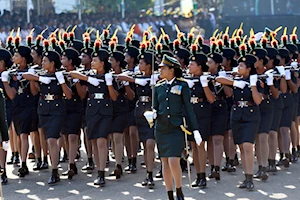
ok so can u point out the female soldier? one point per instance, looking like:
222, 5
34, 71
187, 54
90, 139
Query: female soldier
218, 117
23, 102
170, 95
74, 108
52, 107
6, 117
120, 107
99, 110
144, 95
245, 113
201, 98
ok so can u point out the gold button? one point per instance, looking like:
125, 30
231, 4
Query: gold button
169, 116
242, 91
143, 90
41, 104
106, 105
88, 99
98, 101
193, 95
234, 87
27, 96
49, 87
143, 104
168, 108
194, 88
284, 97
268, 101
167, 98
90, 104
167, 90
220, 105
99, 86
48, 101
121, 100
234, 108
56, 105
242, 99
137, 106
74, 99
251, 110
201, 106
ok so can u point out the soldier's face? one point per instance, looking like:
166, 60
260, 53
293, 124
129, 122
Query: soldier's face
46, 64
212, 65
193, 67
97, 64
142, 65
270, 65
243, 70
165, 72
85, 60
35, 56
17, 58
114, 63
128, 58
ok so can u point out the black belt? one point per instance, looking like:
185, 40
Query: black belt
220, 98
99, 96
266, 96
50, 97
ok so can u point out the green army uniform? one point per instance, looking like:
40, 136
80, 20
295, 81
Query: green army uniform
169, 101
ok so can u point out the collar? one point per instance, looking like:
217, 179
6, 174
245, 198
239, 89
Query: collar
171, 81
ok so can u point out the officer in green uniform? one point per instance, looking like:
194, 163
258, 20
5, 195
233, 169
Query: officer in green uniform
170, 95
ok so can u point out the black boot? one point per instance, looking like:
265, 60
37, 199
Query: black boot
269, 166
212, 167
225, 167
11, 161
298, 150
54, 178
128, 168
17, 158
23, 170
183, 164
258, 173
159, 174
64, 158
45, 163
37, 165
231, 167
273, 166
244, 184
100, 179
151, 183
202, 183
118, 171
71, 172
133, 166
196, 181
250, 184
4, 179
179, 194
216, 173
294, 157
279, 163
236, 160
89, 165
286, 160
170, 195
145, 182
264, 176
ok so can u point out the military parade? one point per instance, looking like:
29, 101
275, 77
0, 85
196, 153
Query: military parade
192, 109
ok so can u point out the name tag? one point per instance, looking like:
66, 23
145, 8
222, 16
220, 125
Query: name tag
176, 89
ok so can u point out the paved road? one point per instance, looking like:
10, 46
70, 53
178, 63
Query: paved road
284, 185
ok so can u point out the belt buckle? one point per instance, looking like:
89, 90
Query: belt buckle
144, 99
49, 97
20, 90
243, 104
99, 96
194, 100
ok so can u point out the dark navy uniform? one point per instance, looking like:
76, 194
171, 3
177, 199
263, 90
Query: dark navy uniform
277, 108
3, 122
120, 109
266, 107
288, 110
294, 77
219, 112
245, 115
24, 109
74, 111
202, 109
144, 103
99, 111
51, 108
169, 101
131, 106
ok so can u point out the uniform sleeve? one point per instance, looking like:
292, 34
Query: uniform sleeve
3, 123
186, 95
155, 103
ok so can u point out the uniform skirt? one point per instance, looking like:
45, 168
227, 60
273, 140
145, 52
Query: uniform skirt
51, 124
296, 105
22, 118
72, 123
131, 118
244, 131
98, 126
219, 117
119, 123
287, 112
204, 129
145, 132
3, 121
170, 142
266, 116
277, 114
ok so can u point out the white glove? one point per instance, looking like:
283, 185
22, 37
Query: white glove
190, 83
197, 137
125, 83
75, 80
239, 83
294, 65
60, 77
270, 79
204, 80
108, 79
31, 70
44, 79
5, 145
93, 81
253, 80
281, 70
222, 74
4, 76
141, 81
287, 74
154, 114
154, 79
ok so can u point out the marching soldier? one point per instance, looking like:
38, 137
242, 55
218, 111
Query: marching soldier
170, 95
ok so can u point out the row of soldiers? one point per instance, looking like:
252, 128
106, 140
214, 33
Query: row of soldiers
53, 88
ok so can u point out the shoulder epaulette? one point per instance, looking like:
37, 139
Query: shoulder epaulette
160, 82
181, 79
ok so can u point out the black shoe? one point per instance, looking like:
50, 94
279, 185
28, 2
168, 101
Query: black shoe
225, 167
249, 180
143, 163
179, 194
216, 173
44, 165
257, 175
54, 178
31, 156
196, 182
285, 163
128, 168
107, 159
243, 185
183, 164
264, 176
12, 158
133, 168
100, 181
236, 161
17, 160
212, 168
78, 155
88, 167
23, 171
63, 159
294, 158
4, 179
159, 174
170, 195
151, 183
145, 182
202, 183
37, 166
118, 172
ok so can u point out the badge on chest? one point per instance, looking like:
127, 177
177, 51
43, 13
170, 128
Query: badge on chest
176, 89
20, 90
